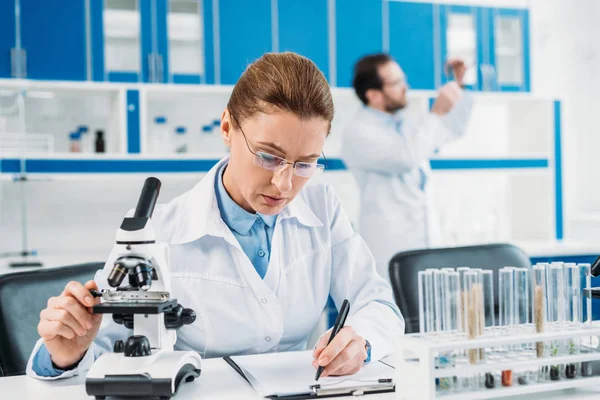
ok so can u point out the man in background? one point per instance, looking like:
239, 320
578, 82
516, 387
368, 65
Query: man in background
388, 153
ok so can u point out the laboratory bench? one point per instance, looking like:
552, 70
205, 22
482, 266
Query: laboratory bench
218, 381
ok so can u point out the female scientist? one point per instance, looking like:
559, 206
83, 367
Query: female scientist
254, 250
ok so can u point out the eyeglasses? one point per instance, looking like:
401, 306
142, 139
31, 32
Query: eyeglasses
396, 83
272, 162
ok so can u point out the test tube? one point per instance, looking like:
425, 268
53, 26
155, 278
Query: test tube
555, 318
572, 311
585, 272
439, 300
489, 315
473, 306
452, 322
507, 311
539, 311
488, 319
585, 314
521, 318
453, 302
461, 276
426, 309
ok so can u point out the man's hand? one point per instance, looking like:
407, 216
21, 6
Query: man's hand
458, 66
449, 95
345, 355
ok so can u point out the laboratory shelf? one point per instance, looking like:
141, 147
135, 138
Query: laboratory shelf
110, 164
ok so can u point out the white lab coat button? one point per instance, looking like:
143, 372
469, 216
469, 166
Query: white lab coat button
268, 338
264, 300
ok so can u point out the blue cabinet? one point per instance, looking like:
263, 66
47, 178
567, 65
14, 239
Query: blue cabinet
7, 39
358, 32
460, 37
303, 28
411, 41
184, 29
117, 41
508, 32
494, 42
53, 38
245, 34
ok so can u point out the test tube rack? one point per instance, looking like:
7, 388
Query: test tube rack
416, 372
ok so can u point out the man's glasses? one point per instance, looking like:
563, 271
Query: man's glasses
272, 162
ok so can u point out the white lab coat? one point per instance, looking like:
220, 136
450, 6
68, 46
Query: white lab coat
315, 252
390, 165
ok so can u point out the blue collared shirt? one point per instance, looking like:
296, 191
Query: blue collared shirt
42, 364
253, 231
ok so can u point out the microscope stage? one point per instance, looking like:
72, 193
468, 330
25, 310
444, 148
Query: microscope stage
135, 307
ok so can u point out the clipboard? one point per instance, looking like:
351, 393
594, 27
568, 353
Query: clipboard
345, 386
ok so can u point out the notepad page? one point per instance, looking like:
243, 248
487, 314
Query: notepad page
292, 373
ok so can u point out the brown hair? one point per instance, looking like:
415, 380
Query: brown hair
366, 74
286, 81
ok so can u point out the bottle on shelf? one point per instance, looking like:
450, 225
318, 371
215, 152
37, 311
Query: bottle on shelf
181, 145
160, 138
85, 140
75, 142
100, 145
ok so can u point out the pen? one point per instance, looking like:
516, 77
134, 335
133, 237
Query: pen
339, 324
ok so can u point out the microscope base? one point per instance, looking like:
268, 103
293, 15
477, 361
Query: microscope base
157, 375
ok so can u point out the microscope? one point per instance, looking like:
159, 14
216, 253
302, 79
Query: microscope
145, 365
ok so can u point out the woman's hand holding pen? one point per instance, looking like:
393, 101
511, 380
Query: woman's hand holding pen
345, 355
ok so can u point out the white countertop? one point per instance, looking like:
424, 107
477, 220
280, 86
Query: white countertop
218, 381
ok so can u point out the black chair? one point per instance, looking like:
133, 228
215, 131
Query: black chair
405, 266
22, 296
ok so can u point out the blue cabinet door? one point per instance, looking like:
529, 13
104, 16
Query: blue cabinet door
244, 34
149, 49
116, 53
185, 60
7, 38
508, 30
358, 32
53, 36
460, 36
303, 29
411, 30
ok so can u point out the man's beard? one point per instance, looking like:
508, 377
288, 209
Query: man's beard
392, 106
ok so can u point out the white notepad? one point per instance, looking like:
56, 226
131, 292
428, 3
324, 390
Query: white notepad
292, 373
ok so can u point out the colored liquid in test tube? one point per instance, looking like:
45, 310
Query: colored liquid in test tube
461, 277
539, 313
473, 312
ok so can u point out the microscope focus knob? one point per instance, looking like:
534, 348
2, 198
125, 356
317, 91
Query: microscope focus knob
119, 346
137, 346
179, 316
188, 316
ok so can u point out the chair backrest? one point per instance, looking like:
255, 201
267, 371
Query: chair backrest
405, 266
22, 296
